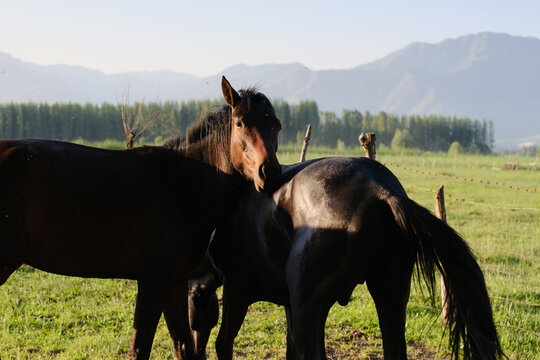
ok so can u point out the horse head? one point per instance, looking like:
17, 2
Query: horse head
254, 136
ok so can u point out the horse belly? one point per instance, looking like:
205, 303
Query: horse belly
77, 235
114, 246
79, 247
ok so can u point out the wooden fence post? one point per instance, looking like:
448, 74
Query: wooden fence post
440, 211
306, 142
367, 140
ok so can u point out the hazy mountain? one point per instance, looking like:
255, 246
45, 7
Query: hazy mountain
484, 76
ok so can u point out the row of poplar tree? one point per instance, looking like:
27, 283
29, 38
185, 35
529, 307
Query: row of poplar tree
99, 122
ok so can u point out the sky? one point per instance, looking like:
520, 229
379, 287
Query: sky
204, 37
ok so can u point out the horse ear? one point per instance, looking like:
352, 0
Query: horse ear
231, 96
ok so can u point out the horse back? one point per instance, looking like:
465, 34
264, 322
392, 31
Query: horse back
328, 192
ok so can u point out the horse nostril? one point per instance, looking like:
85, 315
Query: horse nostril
262, 172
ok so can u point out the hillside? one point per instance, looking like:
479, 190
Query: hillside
484, 76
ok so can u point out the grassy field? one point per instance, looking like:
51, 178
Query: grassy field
44, 316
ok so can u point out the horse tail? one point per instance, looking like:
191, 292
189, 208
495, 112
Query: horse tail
437, 245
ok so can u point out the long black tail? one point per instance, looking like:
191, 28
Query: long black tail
438, 246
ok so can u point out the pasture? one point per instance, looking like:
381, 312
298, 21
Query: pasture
44, 316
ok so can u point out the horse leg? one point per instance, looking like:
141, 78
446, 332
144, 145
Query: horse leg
7, 269
203, 316
234, 312
306, 320
389, 286
10, 257
176, 317
151, 297
291, 351
313, 280
307, 331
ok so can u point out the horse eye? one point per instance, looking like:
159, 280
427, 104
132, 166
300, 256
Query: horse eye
239, 124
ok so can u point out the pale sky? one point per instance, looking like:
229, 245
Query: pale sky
203, 37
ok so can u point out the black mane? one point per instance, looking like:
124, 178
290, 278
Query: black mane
211, 131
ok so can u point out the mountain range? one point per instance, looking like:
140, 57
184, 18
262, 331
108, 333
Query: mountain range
481, 76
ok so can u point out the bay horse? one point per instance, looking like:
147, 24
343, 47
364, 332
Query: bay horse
144, 214
333, 224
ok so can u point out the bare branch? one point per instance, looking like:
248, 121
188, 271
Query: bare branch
131, 126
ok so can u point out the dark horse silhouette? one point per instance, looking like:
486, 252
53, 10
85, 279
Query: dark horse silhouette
144, 214
336, 223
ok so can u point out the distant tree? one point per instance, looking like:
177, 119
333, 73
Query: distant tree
491, 135
455, 148
398, 141
299, 138
283, 113
188, 114
306, 112
367, 123
473, 149
44, 122
108, 118
11, 121
402, 139
340, 145
166, 126
352, 121
329, 129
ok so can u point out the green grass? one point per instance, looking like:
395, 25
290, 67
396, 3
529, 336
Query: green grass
45, 316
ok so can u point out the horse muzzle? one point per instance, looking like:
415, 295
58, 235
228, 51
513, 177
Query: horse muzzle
268, 177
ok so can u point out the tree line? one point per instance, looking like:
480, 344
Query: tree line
70, 121
426, 132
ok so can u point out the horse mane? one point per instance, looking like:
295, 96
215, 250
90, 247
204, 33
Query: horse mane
208, 139
215, 121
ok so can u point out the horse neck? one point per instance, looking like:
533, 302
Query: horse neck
210, 152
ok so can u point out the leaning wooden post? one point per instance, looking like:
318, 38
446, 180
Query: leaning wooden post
367, 140
306, 142
440, 211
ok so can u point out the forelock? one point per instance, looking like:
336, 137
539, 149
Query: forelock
250, 96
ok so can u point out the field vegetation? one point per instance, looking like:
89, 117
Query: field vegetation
497, 210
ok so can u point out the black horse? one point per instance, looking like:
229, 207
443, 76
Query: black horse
144, 214
336, 223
